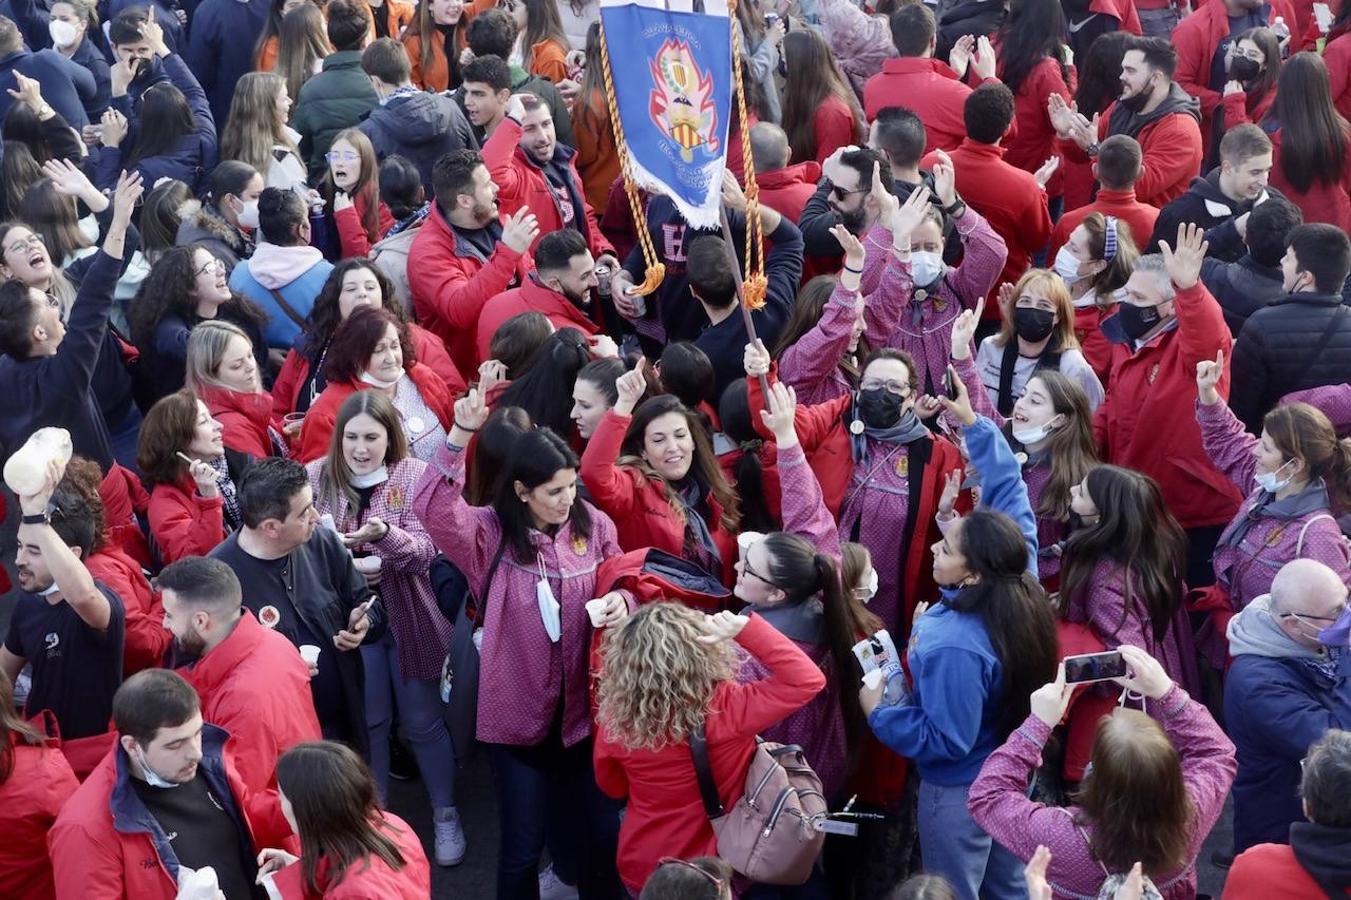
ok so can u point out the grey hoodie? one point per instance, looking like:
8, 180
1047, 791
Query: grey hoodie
1255, 632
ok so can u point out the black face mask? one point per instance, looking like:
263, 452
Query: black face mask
1033, 325
1135, 320
879, 407
1244, 69
1136, 102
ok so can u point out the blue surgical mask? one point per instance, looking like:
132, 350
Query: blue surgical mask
1338, 634
1268, 481
925, 268
152, 777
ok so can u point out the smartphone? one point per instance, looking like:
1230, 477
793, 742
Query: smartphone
1090, 667
950, 385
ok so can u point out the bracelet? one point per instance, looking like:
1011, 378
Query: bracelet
855, 271
462, 428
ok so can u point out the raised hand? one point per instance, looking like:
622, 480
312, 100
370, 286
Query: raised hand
952, 489
114, 128
491, 373
1183, 261
631, 386
125, 197
886, 201
154, 36
515, 108
756, 359
1144, 675
1208, 375
68, 179
471, 411
521, 230
945, 179
780, 405
1062, 115
984, 61
961, 406
29, 92
907, 218
854, 254
964, 330
960, 56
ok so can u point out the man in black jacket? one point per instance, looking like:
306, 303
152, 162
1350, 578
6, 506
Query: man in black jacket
299, 580
1302, 340
1222, 201
417, 125
1246, 286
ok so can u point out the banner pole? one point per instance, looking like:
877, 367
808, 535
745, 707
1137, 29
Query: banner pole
740, 286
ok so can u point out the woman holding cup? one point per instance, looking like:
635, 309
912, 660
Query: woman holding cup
365, 483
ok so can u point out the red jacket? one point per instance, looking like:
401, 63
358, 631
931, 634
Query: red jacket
183, 522
1093, 344
1170, 150
429, 349
369, 879
1198, 36
38, 786
1034, 141
1123, 11
317, 431
1270, 872
451, 282
146, 638
1337, 57
245, 419
1148, 421
1241, 108
352, 237
1322, 202
531, 296
1009, 198
787, 190
930, 89
102, 846
834, 126
665, 815
521, 182
124, 497
642, 515
255, 685
1138, 217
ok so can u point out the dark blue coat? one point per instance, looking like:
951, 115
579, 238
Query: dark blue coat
220, 50
1274, 708
65, 86
90, 54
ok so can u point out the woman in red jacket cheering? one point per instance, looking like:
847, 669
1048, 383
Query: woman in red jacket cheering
667, 671
223, 371
654, 472
192, 476
372, 351
349, 847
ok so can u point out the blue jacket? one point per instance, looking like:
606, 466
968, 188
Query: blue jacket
950, 723
220, 50
281, 330
90, 54
194, 157
1274, 708
65, 86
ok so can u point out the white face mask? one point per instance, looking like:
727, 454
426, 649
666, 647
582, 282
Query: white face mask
1067, 265
63, 33
370, 479
152, 777
1268, 481
1026, 436
247, 213
869, 588
925, 268
370, 379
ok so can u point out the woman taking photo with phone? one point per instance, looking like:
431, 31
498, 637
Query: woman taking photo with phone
531, 556
364, 483
1159, 780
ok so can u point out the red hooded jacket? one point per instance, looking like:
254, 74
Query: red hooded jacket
255, 685
39, 784
323, 415
123, 498
531, 296
1033, 141
1170, 150
370, 878
146, 639
245, 418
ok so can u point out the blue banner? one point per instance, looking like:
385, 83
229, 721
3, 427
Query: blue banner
672, 74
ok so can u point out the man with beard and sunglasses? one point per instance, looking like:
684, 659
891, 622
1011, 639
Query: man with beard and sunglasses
1154, 110
251, 680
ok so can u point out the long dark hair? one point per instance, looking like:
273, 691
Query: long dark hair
545, 389
592, 111
813, 76
26, 149
325, 316
493, 445
165, 119
1136, 531
1100, 72
1034, 30
734, 414
11, 723
794, 561
1012, 606
168, 289
55, 217
704, 468
161, 214
1313, 134
336, 810
539, 456
806, 314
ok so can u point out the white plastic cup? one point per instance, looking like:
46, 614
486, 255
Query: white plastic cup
596, 610
745, 541
367, 565
310, 653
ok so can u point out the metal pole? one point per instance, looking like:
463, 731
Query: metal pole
741, 287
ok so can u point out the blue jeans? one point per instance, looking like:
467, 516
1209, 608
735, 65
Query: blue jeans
528, 780
421, 720
954, 846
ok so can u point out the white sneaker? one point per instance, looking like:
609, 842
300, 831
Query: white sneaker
550, 888
449, 836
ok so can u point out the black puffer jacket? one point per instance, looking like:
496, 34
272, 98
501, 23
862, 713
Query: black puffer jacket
420, 127
1206, 205
1242, 287
1282, 348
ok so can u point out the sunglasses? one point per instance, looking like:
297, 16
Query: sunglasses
841, 194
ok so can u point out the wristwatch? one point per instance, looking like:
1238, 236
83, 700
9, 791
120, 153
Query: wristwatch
955, 208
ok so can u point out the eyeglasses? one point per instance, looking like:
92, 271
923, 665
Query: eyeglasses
872, 384
1308, 619
712, 879
840, 193
341, 156
212, 267
746, 567
23, 245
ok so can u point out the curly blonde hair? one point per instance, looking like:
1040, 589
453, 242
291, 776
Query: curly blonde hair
657, 678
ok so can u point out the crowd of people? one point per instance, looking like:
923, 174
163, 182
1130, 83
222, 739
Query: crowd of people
377, 457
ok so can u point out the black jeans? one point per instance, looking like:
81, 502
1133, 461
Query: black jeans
529, 780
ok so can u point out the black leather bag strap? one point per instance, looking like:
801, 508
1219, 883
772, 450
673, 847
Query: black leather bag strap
1323, 341
703, 771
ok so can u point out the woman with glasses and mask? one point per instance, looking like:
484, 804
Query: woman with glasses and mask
1253, 69
881, 471
186, 287
1293, 476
